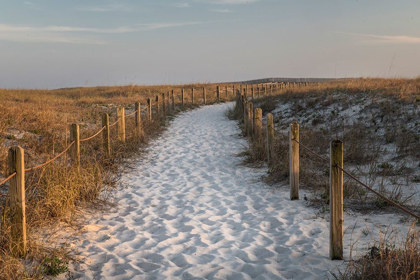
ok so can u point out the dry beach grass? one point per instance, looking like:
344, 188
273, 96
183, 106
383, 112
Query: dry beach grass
38, 121
378, 121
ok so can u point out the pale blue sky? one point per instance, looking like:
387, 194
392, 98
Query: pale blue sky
58, 43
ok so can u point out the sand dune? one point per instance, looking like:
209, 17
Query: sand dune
190, 210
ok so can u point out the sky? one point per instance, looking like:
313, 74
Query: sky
62, 43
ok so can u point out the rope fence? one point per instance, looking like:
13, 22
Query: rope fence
93, 136
168, 102
8, 178
252, 120
51, 160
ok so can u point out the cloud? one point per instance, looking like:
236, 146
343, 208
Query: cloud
105, 8
31, 5
52, 28
221, 10
74, 35
398, 39
153, 26
229, 2
56, 34
182, 5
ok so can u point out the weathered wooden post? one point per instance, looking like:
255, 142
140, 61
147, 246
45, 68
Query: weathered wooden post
250, 118
75, 149
16, 158
163, 104
238, 101
270, 137
294, 160
157, 107
149, 108
121, 124
226, 92
106, 133
138, 119
218, 94
257, 124
173, 100
252, 92
245, 116
233, 90
192, 96
336, 201
204, 96
246, 88
182, 97
168, 98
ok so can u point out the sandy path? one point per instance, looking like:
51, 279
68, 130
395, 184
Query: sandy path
191, 211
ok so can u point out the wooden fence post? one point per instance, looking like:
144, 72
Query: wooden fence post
138, 119
157, 107
336, 201
121, 124
105, 134
252, 92
294, 160
173, 100
257, 124
250, 118
149, 108
204, 95
233, 90
182, 97
226, 92
245, 116
163, 104
270, 137
168, 98
218, 94
75, 149
192, 96
16, 158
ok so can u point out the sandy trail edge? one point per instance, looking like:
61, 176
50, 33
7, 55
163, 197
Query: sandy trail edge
190, 210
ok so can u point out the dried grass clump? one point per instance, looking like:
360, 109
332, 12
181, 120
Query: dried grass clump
388, 260
54, 193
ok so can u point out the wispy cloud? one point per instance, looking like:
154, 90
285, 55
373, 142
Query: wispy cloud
229, 2
182, 5
31, 5
52, 28
153, 26
75, 35
105, 8
390, 39
221, 10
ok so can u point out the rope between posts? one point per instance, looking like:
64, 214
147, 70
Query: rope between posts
111, 125
358, 181
310, 151
51, 160
93, 136
8, 178
130, 114
378, 194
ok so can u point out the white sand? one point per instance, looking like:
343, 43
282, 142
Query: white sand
190, 210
